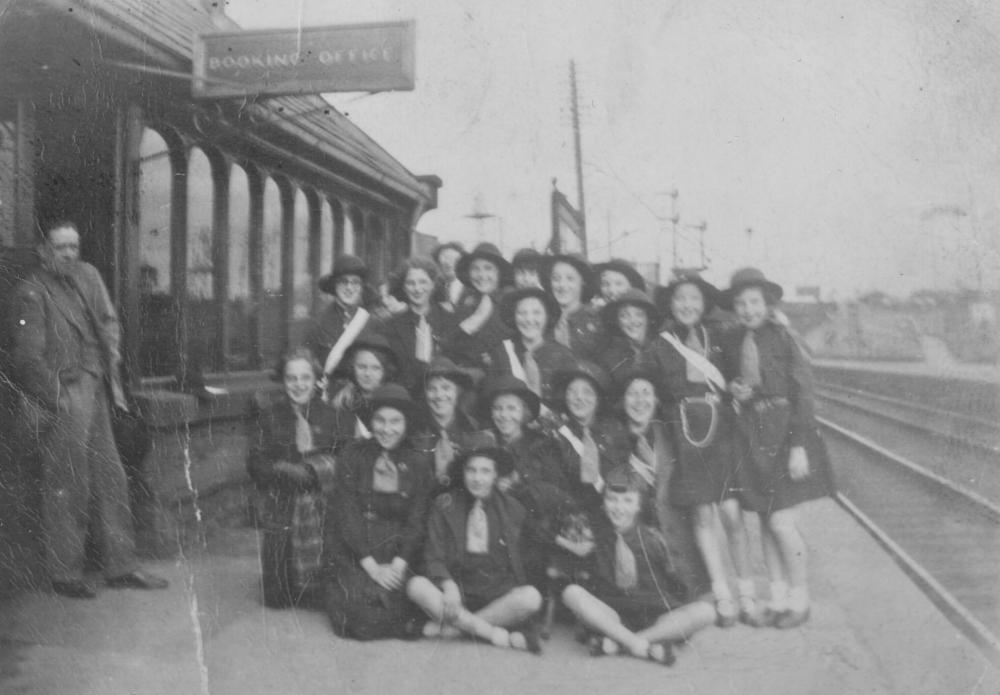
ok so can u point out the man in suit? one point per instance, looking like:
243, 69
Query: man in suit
66, 365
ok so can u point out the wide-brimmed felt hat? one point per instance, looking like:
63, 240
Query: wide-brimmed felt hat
343, 265
368, 340
631, 297
527, 257
581, 370
624, 479
510, 300
491, 253
509, 384
436, 251
645, 372
749, 277
392, 396
445, 368
503, 459
709, 292
582, 266
620, 265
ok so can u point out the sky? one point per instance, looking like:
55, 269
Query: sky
858, 140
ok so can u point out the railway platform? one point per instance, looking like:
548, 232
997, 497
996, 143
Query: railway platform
872, 631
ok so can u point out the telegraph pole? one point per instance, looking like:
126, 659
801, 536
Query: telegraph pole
575, 110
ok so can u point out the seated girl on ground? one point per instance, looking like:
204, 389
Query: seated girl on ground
474, 580
631, 597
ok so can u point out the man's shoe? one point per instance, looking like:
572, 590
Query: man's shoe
138, 580
75, 588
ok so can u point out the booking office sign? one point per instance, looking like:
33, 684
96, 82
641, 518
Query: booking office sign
346, 58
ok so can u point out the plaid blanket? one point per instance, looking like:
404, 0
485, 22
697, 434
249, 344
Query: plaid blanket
308, 511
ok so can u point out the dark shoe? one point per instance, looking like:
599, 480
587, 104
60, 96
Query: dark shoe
138, 580
662, 653
75, 588
764, 617
789, 619
595, 645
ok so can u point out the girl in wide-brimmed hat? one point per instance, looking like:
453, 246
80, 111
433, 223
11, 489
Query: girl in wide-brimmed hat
352, 299
486, 275
446, 430
474, 580
631, 321
378, 524
447, 256
368, 363
703, 429
785, 459
530, 354
616, 276
570, 279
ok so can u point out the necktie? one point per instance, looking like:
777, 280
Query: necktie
532, 374
303, 432
693, 373
644, 451
425, 343
750, 361
561, 332
626, 575
385, 476
477, 531
590, 460
444, 452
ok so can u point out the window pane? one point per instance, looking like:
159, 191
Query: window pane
303, 275
272, 307
238, 287
157, 337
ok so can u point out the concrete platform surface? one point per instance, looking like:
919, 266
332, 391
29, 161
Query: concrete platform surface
871, 632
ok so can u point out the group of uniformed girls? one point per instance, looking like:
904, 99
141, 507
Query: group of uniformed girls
496, 437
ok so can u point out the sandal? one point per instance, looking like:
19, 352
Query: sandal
726, 612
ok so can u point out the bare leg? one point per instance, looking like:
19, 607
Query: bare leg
736, 532
708, 543
680, 623
791, 548
599, 616
513, 608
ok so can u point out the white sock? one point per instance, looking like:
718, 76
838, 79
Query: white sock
746, 587
721, 591
798, 598
779, 596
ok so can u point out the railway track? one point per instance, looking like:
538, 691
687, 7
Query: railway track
943, 533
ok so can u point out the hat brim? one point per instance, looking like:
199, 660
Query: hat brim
406, 406
508, 305
344, 366
709, 292
457, 376
609, 313
530, 398
502, 458
585, 269
634, 277
563, 378
503, 266
728, 296
328, 283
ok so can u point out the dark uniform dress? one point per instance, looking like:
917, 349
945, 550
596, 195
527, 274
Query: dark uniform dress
323, 331
654, 448
481, 577
464, 434
613, 446
658, 589
401, 332
780, 415
289, 513
587, 338
707, 472
475, 350
383, 525
622, 357
550, 357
